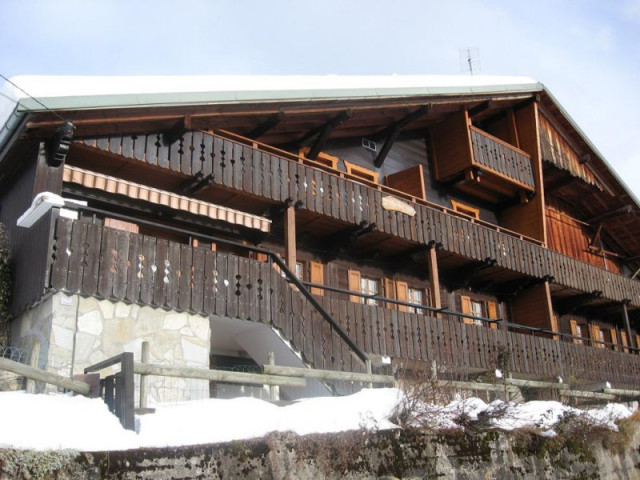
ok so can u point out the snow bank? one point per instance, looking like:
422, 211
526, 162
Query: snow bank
56, 422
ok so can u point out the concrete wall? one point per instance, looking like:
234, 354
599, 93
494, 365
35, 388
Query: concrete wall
68, 333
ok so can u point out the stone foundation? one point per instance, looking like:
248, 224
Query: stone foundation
66, 333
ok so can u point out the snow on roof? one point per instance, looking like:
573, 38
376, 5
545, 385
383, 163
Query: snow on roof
103, 91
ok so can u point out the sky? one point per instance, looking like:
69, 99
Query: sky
586, 52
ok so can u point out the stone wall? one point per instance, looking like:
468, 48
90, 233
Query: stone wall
68, 333
351, 455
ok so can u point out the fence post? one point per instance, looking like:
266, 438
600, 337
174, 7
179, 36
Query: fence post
144, 387
274, 390
127, 398
369, 371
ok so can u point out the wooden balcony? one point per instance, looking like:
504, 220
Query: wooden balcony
241, 166
92, 260
478, 163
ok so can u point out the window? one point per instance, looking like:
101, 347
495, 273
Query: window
479, 308
416, 296
365, 285
369, 286
465, 209
301, 271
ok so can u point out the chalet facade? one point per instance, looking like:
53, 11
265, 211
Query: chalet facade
418, 219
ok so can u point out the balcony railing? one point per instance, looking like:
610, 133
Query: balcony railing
93, 260
500, 157
244, 165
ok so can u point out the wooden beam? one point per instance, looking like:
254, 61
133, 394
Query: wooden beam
481, 107
44, 376
434, 277
178, 129
395, 129
290, 237
611, 214
216, 375
327, 374
59, 144
571, 304
267, 125
627, 326
325, 134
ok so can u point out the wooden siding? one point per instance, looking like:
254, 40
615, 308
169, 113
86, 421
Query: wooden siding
29, 246
503, 159
570, 237
99, 261
277, 177
556, 150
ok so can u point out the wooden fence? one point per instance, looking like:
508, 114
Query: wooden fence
258, 170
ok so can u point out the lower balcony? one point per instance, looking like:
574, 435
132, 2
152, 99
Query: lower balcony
92, 260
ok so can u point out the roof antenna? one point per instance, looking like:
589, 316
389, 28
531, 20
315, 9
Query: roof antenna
469, 59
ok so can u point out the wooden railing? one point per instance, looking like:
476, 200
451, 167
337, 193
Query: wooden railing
277, 176
463, 347
499, 156
93, 260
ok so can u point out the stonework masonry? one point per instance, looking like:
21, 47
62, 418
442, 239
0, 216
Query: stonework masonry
66, 333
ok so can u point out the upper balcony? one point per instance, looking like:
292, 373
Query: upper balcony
230, 170
479, 163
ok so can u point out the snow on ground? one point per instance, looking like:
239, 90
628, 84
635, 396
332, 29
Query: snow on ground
55, 422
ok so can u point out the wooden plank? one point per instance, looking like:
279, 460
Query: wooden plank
92, 259
159, 298
185, 281
196, 277
62, 252
218, 160
243, 293
234, 287
107, 266
237, 163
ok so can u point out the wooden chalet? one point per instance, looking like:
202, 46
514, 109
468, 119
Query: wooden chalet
462, 220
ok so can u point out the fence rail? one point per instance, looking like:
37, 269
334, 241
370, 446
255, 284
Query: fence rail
239, 164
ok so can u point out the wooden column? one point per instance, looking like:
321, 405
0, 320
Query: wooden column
627, 326
434, 278
290, 237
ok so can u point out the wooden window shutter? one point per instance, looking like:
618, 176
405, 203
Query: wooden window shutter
466, 308
594, 331
624, 341
390, 292
317, 276
354, 285
402, 294
614, 338
492, 309
637, 341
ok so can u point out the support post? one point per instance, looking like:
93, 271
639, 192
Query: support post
434, 278
369, 371
290, 237
627, 326
274, 390
144, 387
